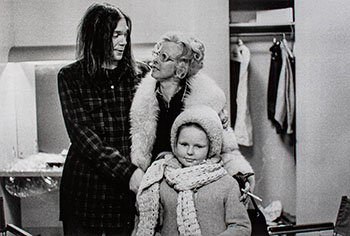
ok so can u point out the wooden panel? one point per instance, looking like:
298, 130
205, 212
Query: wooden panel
25, 109
52, 134
8, 136
44, 216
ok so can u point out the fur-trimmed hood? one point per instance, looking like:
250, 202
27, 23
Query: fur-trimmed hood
207, 119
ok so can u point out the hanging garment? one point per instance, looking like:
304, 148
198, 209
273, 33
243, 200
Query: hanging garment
274, 75
292, 62
243, 126
285, 102
235, 65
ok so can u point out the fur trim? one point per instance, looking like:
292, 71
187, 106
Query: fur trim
205, 91
143, 118
229, 141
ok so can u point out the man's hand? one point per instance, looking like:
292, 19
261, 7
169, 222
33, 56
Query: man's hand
135, 180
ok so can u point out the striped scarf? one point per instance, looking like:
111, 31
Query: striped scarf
184, 181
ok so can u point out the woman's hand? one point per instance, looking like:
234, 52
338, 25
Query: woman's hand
224, 118
244, 191
245, 182
135, 180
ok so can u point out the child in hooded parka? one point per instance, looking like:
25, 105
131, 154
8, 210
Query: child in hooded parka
188, 192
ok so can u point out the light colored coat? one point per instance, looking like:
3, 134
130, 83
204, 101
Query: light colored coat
218, 209
144, 112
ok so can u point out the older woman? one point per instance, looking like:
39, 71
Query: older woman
174, 85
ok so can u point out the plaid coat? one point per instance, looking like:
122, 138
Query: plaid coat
95, 182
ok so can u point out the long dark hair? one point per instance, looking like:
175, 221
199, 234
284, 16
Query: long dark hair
94, 39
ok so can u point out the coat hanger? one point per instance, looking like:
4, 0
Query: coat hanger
275, 41
285, 45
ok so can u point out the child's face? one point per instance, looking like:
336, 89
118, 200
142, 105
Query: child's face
192, 146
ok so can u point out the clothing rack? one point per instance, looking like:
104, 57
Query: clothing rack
253, 31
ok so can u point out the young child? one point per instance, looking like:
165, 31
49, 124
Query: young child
188, 192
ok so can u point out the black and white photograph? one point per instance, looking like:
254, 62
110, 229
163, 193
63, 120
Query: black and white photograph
174, 117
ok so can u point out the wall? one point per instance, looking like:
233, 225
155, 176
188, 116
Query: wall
6, 29
323, 108
6, 42
55, 23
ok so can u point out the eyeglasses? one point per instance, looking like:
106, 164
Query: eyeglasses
163, 56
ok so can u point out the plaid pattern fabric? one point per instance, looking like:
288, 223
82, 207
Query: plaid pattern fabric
94, 186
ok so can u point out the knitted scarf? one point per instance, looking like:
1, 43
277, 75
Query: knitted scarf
184, 181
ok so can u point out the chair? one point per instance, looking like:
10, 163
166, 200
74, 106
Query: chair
341, 226
9, 228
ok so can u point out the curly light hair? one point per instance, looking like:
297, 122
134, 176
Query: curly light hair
190, 61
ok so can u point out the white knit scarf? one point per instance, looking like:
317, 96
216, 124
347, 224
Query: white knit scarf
184, 181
